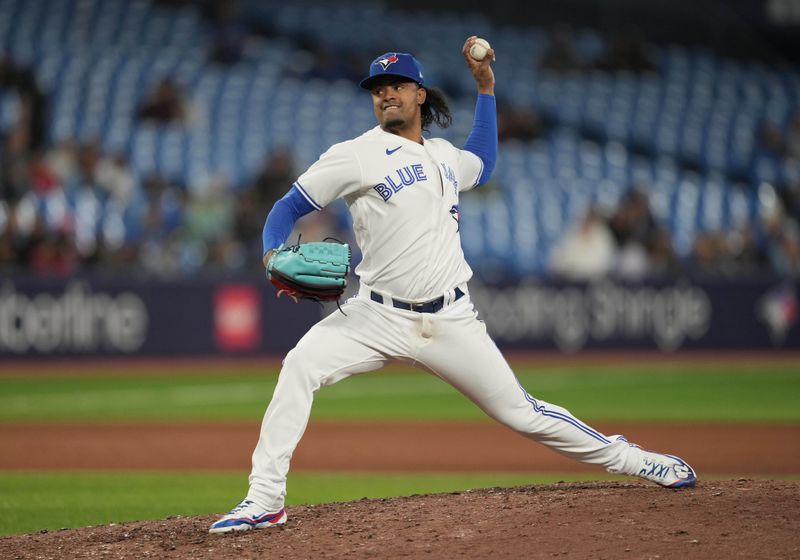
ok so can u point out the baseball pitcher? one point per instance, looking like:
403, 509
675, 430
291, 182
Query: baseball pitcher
413, 303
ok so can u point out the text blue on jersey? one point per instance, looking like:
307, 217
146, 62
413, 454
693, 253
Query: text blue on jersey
403, 177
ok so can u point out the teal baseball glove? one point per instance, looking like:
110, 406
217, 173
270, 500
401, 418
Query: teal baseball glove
316, 270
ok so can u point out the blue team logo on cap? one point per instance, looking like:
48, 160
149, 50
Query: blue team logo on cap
388, 61
398, 64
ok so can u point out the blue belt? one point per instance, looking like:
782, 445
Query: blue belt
432, 306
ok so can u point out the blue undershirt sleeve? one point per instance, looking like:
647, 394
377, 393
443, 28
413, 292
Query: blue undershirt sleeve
282, 218
482, 140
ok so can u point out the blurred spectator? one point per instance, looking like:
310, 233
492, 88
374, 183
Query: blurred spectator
790, 198
167, 103
28, 231
771, 141
54, 254
90, 156
229, 33
775, 158
793, 136
330, 65
586, 252
114, 175
644, 247
627, 50
271, 182
43, 178
633, 263
744, 253
560, 54
517, 123
633, 221
663, 262
209, 221
33, 111
14, 166
274, 178
63, 160
8, 255
707, 255
781, 239
163, 208
785, 252
159, 219
751, 248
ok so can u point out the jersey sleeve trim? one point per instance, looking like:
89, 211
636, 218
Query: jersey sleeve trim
307, 196
480, 175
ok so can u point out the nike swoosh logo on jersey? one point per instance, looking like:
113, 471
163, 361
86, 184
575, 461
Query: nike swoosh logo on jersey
390, 152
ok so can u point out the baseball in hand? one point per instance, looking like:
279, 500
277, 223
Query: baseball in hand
479, 49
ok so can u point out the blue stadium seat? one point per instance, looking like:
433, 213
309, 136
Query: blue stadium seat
100, 58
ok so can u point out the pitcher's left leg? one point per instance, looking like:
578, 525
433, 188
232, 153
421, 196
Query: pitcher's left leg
462, 353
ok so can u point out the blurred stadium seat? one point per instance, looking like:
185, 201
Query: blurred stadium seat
686, 133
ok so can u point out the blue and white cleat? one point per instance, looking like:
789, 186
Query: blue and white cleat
248, 515
666, 470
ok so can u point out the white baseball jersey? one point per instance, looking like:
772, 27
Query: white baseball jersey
403, 197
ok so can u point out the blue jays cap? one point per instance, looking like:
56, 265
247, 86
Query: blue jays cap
393, 64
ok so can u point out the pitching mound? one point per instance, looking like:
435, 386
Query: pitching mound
718, 519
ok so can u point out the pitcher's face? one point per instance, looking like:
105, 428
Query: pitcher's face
397, 104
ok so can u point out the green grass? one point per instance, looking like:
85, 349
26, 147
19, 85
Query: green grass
30, 501
746, 392
44, 500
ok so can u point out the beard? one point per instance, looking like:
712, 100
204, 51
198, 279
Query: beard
394, 123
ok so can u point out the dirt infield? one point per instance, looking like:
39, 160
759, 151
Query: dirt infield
721, 519
737, 518
720, 449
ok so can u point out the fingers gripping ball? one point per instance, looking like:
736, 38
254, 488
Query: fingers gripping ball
316, 270
479, 49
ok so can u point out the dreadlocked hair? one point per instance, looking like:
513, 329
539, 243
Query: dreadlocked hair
435, 109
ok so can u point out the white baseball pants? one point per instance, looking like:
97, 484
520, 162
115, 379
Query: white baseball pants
452, 344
